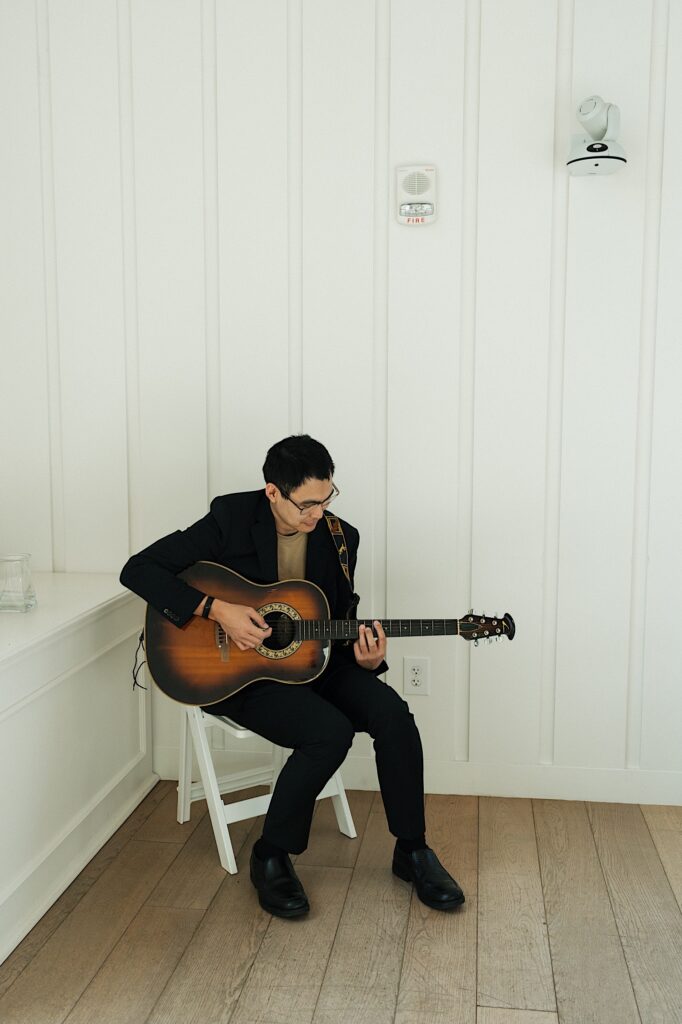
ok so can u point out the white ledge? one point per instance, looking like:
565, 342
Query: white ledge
64, 598
78, 616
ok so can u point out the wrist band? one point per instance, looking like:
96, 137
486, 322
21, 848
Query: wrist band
207, 607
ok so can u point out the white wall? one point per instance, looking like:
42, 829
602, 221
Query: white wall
199, 256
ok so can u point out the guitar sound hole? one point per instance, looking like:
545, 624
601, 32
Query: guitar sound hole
282, 631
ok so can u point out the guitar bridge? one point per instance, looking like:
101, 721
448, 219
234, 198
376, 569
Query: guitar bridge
222, 643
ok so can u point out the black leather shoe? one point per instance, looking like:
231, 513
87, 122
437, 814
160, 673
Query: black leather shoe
435, 887
279, 889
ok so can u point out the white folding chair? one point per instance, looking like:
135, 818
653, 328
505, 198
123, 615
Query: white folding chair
193, 728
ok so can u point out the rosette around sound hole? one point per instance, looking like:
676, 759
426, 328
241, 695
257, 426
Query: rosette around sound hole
283, 631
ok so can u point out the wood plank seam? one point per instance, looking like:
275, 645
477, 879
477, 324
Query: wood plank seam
113, 949
251, 966
402, 958
658, 854
247, 839
478, 894
340, 918
613, 912
376, 807
544, 905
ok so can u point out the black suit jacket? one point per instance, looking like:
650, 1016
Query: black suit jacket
238, 532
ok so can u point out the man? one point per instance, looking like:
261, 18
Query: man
281, 533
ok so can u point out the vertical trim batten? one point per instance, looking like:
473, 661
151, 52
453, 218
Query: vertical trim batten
645, 400
555, 379
209, 107
130, 286
467, 363
382, 99
58, 514
295, 210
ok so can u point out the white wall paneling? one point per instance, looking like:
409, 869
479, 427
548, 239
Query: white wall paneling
295, 211
512, 322
73, 732
338, 242
425, 350
87, 195
169, 202
57, 504
24, 525
134, 463
647, 350
375, 544
471, 70
563, 118
603, 314
252, 102
338, 141
199, 254
660, 721
214, 402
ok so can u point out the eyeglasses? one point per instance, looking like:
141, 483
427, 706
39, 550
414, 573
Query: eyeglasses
308, 505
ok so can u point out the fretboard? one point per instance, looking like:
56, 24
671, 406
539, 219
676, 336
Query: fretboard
348, 629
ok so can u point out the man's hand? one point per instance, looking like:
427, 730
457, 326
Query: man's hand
370, 652
244, 626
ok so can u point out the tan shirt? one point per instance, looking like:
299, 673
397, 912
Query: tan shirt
291, 552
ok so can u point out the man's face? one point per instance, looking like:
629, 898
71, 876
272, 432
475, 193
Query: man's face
288, 516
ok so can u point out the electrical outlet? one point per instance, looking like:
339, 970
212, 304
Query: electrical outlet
416, 675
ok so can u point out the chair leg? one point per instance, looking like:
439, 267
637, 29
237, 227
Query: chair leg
213, 799
342, 808
185, 772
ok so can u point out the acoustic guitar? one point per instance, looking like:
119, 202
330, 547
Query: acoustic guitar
197, 664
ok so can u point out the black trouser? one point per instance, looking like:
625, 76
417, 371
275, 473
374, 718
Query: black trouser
318, 720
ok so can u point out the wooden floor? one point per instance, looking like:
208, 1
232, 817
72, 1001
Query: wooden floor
572, 916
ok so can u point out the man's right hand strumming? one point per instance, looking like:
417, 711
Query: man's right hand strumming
244, 626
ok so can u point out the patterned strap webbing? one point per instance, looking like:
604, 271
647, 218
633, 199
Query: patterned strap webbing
336, 531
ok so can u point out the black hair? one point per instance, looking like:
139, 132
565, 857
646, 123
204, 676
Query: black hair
295, 459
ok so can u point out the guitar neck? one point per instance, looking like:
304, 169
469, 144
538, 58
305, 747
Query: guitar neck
348, 629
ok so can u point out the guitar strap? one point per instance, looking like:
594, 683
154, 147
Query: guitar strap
336, 531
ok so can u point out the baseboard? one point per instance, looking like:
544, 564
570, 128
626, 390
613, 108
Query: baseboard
26, 904
551, 782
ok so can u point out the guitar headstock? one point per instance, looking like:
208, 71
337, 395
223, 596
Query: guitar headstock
486, 627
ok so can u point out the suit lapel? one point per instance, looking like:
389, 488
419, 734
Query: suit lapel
317, 557
265, 538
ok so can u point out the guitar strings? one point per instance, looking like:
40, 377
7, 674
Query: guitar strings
284, 630
333, 629
359, 622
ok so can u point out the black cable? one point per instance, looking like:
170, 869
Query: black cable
136, 667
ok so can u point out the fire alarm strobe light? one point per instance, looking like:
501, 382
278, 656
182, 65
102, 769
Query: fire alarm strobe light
416, 195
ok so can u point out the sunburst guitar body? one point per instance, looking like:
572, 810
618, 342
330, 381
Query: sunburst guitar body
198, 664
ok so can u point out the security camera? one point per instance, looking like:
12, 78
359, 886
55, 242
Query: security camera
598, 151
